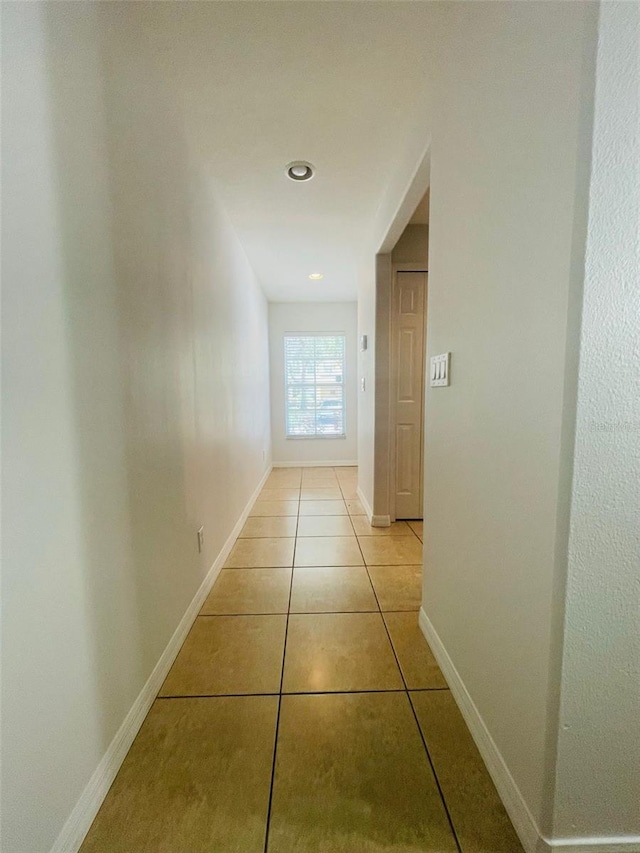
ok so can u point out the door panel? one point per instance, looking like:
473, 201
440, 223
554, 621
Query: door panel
407, 348
405, 461
406, 378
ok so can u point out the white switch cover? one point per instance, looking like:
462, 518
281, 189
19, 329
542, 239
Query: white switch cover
439, 369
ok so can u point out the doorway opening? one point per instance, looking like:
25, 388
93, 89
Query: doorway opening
408, 334
401, 333
406, 386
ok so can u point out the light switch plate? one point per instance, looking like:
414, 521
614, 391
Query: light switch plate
439, 369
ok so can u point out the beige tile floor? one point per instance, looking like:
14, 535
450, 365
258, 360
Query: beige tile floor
305, 712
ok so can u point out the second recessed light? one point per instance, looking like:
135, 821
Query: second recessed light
300, 170
316, 276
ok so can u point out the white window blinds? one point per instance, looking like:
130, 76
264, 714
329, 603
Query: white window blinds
314, 380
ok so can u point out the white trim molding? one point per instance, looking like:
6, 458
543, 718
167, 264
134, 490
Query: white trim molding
79, 821
626, 844
350, 463
523, 821
365, 504
374, 520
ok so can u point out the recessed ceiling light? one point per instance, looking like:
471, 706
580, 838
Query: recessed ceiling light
300, 170
316, 276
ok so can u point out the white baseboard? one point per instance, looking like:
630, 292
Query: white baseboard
374, 520
523, 821
339, 464
509, 792
365, 504
626, 844
85, 810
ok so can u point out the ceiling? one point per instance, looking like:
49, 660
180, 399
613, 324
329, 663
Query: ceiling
342, 85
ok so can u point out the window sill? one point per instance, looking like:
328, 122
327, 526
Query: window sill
314, 437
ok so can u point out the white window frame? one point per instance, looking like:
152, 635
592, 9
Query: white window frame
316, 436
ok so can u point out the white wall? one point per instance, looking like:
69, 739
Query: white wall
508, 130
313, 317
135, 394
598, 757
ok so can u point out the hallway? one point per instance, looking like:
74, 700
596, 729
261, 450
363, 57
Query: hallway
308, 641
191, 192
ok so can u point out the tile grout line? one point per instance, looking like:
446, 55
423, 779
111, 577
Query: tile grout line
300, 693
284, 652
415, 716
308, 612
414, 533
348, 513
280, 694
433, 770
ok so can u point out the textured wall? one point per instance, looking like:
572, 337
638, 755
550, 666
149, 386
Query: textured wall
598, 760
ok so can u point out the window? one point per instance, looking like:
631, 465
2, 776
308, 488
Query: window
314, 380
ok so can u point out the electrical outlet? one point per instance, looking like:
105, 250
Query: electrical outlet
200, 540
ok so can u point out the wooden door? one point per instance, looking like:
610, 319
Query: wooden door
407, 390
